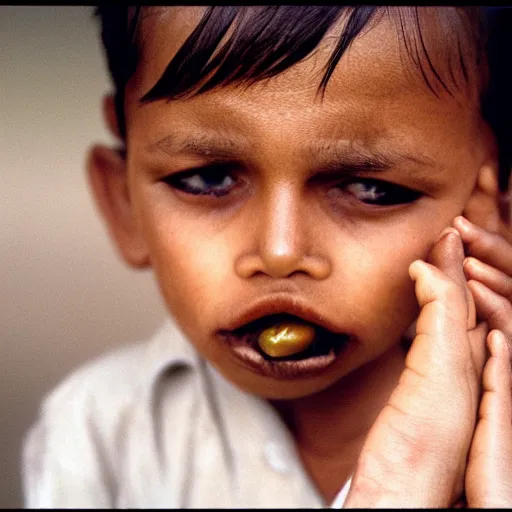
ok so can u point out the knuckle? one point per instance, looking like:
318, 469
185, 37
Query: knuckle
501, 312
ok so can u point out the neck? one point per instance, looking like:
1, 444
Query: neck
330, 427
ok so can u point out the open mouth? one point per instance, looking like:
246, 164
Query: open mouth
316, 357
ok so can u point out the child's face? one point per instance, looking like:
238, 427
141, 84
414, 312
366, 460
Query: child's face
283, 230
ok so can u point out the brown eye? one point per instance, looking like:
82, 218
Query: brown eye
212, 181
381, 193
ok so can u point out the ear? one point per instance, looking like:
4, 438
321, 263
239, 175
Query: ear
107, 177
483, 206
486, 206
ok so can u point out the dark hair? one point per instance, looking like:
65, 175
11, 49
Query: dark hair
267, 40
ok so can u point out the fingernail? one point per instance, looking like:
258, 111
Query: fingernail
446, 231
499, 341
464, 223
471, 262
414, 268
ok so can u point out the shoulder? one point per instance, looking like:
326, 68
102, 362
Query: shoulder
112, 375
119, 376
97, 401
70, 451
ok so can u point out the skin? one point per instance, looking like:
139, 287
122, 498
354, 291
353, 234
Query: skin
281, 232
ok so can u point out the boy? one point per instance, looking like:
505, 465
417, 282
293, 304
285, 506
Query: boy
316, 168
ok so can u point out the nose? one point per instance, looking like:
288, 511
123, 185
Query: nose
283, 241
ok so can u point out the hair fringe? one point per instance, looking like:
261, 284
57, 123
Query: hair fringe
262, 41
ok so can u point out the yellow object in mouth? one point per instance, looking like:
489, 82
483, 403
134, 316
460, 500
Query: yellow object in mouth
286, 339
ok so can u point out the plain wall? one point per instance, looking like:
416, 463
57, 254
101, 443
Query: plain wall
65, 294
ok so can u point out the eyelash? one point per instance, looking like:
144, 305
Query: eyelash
210, 173
377, 192
381, 193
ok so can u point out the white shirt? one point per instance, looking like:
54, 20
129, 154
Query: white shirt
153, 425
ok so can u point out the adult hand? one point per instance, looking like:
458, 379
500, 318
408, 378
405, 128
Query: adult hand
416, 452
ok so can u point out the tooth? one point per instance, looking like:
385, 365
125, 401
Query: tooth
286, 339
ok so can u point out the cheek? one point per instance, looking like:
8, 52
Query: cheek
389, 299
380, 298
192, 269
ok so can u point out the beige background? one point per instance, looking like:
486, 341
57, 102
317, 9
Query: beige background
64, 294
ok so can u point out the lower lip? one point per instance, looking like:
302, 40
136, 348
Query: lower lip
280, 369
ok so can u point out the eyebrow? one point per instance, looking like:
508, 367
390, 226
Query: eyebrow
357, 157
208, 146
331, 155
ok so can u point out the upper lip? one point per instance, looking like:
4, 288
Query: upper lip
276, 305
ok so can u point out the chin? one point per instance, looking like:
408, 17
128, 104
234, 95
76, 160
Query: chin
279, 389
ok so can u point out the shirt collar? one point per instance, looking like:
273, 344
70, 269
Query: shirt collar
168, 348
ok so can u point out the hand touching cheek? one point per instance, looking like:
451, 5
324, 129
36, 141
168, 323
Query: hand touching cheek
415, 454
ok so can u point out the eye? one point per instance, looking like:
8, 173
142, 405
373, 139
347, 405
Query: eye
208, 181
380, 193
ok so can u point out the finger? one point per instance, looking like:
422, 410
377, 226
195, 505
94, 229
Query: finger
450, 350
442, 319
447, 254
491, 277
496, 405
490, 248
494, 308
478, 349
488, 481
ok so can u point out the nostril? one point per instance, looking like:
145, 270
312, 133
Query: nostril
253, 265
275, 266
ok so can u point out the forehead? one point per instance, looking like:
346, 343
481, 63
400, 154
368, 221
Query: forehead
437, 45
375, 89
